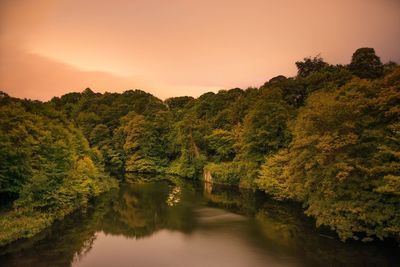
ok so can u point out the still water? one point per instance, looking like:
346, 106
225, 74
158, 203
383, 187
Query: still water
176, 223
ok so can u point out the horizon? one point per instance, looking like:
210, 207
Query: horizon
50, 48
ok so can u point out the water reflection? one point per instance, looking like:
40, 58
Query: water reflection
176, 223
144, 208
174, 196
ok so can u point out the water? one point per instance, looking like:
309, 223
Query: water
176, 223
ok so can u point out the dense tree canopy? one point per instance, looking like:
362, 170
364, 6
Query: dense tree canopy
328, 138
47, 168
344, 160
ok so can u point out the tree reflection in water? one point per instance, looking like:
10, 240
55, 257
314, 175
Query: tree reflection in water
145, 208
142, 209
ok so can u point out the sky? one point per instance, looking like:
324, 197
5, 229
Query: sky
180, 47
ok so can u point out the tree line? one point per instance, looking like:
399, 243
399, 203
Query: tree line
328, 138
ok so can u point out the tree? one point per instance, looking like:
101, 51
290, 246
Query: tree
366, 64
99, 135
265, 127
220, 143
17, 136
310, 65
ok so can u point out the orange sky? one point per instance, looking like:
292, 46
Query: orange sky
180, 47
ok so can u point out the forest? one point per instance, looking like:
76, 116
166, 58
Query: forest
328, 138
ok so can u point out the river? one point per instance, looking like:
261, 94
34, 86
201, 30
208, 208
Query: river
177, 223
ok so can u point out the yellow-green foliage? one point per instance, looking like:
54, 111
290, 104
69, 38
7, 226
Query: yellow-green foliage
239, 173
144, 143
221, 143
344, 160
223, 173
274, 176
325, 138
15, 225
47, 168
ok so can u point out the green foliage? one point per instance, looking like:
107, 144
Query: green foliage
47, 168
221, 144
145, 144
14, 225
366, 64
325, 138
343, 162
99, 135
274, 176
310, 65
186, 157
178, 103
265, 127
17, 129
99, 117
224, 173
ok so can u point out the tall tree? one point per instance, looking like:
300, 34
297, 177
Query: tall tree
366, 64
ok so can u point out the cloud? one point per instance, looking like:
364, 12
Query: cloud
33, 76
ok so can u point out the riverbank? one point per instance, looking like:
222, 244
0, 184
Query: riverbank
25, 223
